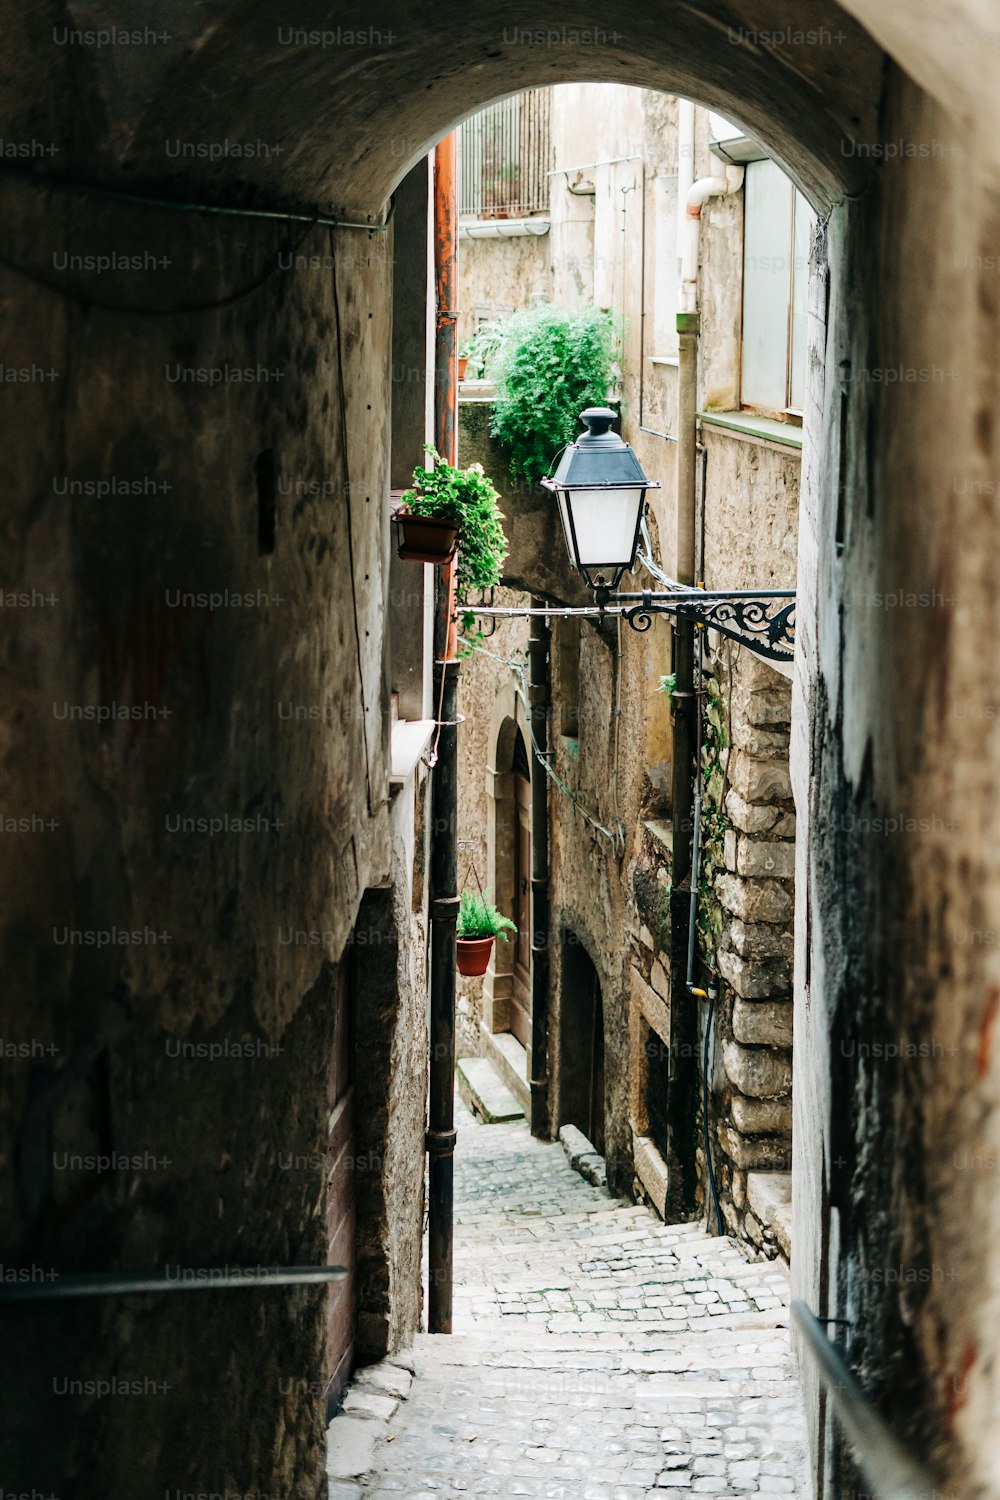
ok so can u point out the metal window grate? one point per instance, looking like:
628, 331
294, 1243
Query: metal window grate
506, 154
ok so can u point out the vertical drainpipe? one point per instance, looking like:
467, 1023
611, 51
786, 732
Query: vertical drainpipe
539, 699
684, 531
692, 195
444, 827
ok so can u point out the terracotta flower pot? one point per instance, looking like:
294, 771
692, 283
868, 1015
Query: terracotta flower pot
473, 955
428, 539
463, 365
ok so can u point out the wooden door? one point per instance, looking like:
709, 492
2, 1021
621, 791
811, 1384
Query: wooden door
520, 1009
340, 1196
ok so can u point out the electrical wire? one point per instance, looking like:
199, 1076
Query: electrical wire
172, 205
695, 876
520, 671
619, 826
350, 519
646, 558
84, 299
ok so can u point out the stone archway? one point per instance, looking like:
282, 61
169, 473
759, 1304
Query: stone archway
895, 711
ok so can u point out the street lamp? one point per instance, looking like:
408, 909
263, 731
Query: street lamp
601, 487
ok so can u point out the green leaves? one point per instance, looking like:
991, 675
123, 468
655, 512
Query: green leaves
469, 498
479, 918
548, 366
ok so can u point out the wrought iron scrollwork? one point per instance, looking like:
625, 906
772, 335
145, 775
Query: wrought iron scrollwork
763, 622
639, 618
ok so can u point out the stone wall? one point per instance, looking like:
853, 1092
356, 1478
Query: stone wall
747, 876
483, 684
613, 893
171, 987
499, 275
894, 772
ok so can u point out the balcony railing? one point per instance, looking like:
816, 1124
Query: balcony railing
506, 154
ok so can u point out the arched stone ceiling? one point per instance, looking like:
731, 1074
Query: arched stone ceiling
338, 122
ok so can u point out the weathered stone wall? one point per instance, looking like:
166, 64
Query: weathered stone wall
747, 536
483, 684
746, 882
895, 768
156, 463
499, 275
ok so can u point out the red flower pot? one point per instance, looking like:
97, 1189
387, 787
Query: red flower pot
473, 955
463, 365
428, 539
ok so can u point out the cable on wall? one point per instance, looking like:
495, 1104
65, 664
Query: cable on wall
84, 299
342, 393
172, 205
520, 672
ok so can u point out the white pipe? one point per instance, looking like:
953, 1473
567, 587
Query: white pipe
685, 174
698, 194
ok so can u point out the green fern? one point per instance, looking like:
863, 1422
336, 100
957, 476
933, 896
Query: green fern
479, 918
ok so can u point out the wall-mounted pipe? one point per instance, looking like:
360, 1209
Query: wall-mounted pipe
539, 697
695, 199
444, 784
691, 197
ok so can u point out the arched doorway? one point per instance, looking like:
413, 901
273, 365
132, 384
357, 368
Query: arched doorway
581, 1024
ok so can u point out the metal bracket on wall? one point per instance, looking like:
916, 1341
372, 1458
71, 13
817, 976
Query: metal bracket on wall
440, 1142
763, 620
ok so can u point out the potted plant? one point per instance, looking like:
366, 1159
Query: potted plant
479, 923
448, 503
463, 365
478, 350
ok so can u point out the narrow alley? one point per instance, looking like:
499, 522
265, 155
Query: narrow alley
598, 1353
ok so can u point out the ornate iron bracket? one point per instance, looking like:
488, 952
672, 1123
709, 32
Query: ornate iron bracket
763, 620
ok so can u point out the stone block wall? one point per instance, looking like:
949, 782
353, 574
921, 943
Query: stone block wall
746, 911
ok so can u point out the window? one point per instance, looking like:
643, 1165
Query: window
777, 225
506, 153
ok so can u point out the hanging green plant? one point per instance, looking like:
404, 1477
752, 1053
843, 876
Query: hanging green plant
469, 499
479, 918
548, 366
479, 924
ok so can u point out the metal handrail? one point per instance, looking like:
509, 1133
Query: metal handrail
885, 1463
53, 1286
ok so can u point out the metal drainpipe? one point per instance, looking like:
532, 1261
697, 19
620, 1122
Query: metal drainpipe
539, 699
684, 563
444, 828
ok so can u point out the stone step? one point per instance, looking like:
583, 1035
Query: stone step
769, 1195
485, 1093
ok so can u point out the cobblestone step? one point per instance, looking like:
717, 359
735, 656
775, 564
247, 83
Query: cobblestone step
598, 1353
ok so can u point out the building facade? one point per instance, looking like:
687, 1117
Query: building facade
626, 1041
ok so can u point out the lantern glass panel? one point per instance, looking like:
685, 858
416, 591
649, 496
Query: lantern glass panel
605, 522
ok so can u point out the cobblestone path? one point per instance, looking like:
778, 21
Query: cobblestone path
598, 1353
